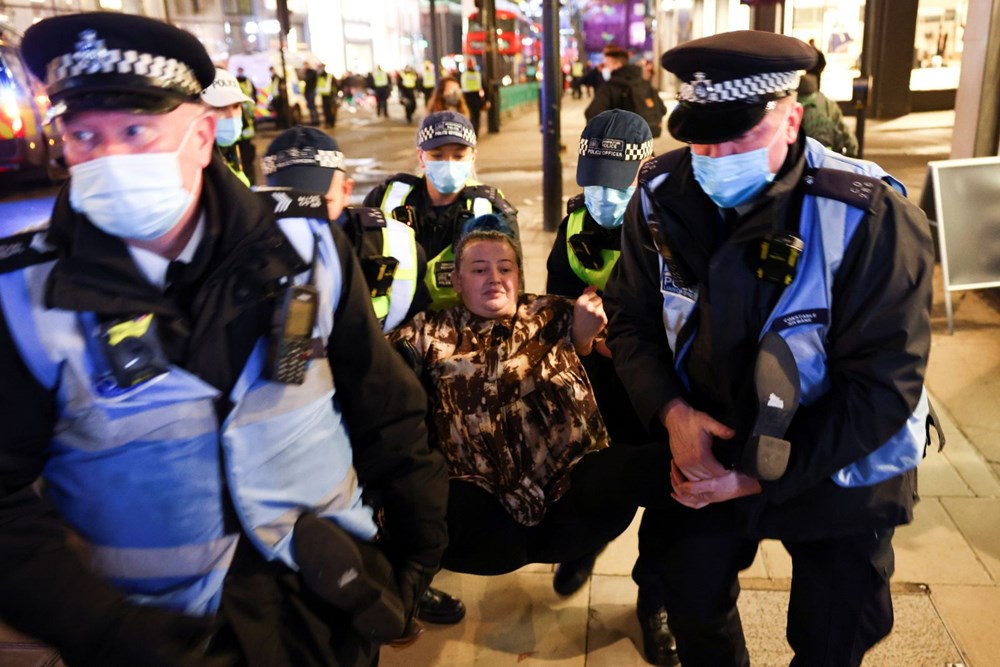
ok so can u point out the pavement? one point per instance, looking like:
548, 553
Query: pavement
946, 588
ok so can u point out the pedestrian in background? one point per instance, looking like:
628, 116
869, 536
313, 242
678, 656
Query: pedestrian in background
407, 85
626, 88
245, 145
448, 97
472, 89
823, 120
770, 317
310, 77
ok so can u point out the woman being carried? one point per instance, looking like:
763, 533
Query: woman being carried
532, 477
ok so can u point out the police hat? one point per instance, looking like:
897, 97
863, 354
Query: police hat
445, 127
106, 60
729, 81
224, 91
303, 158
611, 147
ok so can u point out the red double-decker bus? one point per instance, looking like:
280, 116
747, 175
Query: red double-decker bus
519, 43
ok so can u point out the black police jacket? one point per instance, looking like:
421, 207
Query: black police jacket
876, 351
210, 323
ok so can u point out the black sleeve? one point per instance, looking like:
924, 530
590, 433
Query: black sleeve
374, 198
422, 296
384, 407
46, 591
602, 101
879, 341
560, 277
636, 334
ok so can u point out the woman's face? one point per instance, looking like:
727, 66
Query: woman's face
487, 278
452, 94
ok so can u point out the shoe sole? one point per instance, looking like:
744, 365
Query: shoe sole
776, 378
339, 577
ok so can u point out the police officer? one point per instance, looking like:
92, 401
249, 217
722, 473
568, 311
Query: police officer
428, 80
773, 298
379, 81
444, 198
407, 92
393, 264
168, 346
326, 87
587, 247
248, 151
227, 99
472, 90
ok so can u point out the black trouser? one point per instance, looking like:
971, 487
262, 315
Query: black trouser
248, 154
605, 490
839, 604
382, 103
329, 117
475, 103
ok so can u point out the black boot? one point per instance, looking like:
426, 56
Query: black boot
658, 645
571, 575
436, 606
776, 378
332, 566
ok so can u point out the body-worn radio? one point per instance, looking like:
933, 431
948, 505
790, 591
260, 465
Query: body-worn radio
291, 334
587, 249
132, 350
778, 259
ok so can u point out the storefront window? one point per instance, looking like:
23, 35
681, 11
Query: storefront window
937, 44
836, 28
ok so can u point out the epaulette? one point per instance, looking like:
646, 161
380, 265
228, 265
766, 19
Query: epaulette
25, 249
291, 203
366, 216
660, 165
857, 190
575, 203
482, 191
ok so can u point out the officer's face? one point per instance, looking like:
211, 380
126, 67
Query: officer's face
90, 135
339, 193
778, 128
487, 278
232, 111
446, 153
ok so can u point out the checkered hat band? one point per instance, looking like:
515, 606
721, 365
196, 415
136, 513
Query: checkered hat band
705, 91
301, 157
446, 129
615, 149
168, 73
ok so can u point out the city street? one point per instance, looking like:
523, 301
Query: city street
947, 583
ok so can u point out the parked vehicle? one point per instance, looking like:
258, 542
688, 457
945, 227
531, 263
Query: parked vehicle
29, 147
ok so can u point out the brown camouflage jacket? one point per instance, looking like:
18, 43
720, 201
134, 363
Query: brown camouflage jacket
511, 403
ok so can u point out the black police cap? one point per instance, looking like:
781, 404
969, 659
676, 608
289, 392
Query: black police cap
303, 158
106, 60
612, 145
730, 80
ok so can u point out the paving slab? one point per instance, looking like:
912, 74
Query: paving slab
932, 550
977, 519
970, 613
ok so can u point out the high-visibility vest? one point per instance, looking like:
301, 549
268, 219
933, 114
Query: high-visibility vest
596, 277
141, 473
802, 315
409, 79
472, 82
381, 78
430, 75
577, 69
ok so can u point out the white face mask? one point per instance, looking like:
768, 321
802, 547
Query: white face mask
140, 196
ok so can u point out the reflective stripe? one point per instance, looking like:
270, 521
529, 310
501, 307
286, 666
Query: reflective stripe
395, 195
183, 561
596, 277
399, 241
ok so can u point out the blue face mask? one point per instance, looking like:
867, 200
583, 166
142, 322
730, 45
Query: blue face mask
607, 205
228, 130
448, 176
735, 179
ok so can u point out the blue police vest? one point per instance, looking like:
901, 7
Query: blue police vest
140, 474
802, 314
